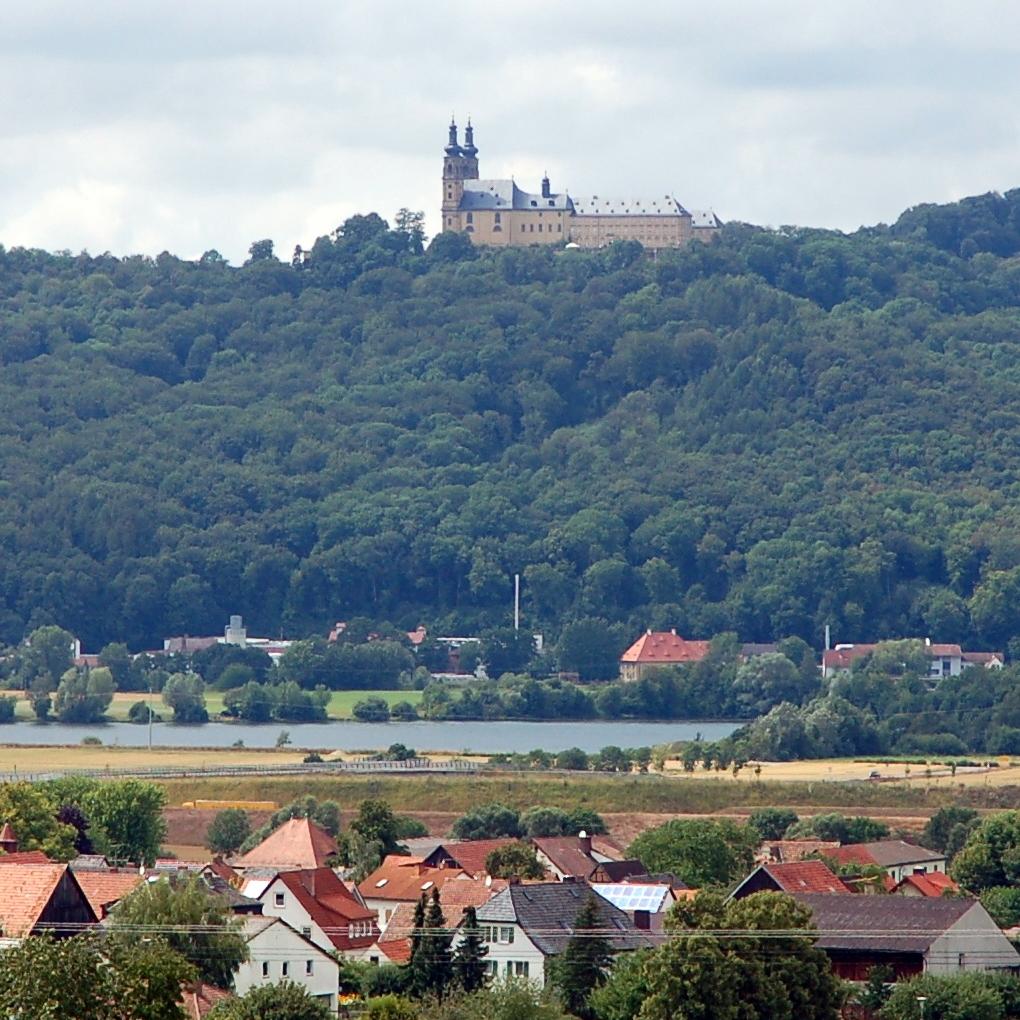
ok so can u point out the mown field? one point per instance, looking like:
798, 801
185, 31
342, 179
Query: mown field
341, 704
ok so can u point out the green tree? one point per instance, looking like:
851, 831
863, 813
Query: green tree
957, 997
1003, 903
371, 710
228, 830
946, 827
375, 821
32, 813
700, 853
431, 963
185, 694
703, 973
514, 860
625, 989
283, 1000
772, 823
991, 855
584, 963
836, 828
590, 648
117, 659
877, 988
89, 979
490, 821
195, 922
469, 970
83, 696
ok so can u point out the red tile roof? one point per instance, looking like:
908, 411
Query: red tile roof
665, 647
329, 904
25, 892
567, 854
197, 1000
934, 883
25, 857
404, 879
469, 855
396, 950
786, 851
297, 844
104, 888
805, 877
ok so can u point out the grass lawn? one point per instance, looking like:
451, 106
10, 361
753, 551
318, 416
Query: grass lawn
341, 703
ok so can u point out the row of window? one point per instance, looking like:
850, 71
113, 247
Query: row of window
503, 936
285, 968
531, 228
359, 929
514, 968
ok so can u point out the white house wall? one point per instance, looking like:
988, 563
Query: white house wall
522, 950
975, 942
280, 948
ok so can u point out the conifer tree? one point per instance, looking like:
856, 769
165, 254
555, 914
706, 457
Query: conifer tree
584, 963
431, 957
469, 957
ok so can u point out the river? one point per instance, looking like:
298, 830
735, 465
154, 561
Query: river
481, 737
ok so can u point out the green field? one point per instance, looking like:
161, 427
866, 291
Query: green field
603, 793
341, 704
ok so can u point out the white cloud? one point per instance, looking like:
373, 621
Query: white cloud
140, 125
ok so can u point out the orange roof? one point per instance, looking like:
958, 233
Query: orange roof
24, 893
198, 999
405, 879
25, 857
397, 950
104, 888
852, 853
805, 877
661, 646
934, 883
329, 904
298, 844
454, 898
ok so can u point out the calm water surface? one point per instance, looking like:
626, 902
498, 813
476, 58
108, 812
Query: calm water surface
484, 737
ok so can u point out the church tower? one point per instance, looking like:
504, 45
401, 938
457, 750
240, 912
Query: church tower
459, 164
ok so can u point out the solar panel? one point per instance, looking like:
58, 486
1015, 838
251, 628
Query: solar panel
633, 897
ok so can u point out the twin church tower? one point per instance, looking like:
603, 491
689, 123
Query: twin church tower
497, 212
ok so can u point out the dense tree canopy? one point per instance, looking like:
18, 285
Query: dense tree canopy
767, 434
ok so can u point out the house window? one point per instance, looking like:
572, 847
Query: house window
265, 968
278, 899
531, 227
471, 217
449, 221
540, 228
521, 968
559, 228
522, 228
498, 215
307, 932
309, 968
491, 968
285, 968
506, 936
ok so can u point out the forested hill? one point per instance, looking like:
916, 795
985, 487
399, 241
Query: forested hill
766, 434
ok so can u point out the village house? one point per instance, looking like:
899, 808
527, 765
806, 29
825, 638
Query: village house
579, 857
317, 904
41, 898
526, 924
897, 857
944, 660
298, 844
470, 855
660, 649
277, 952
912, 935
645, 903
798, 877
932, 883
403, 880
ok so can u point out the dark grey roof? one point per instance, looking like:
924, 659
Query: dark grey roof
607, 205
883, 924
498, 194
889, 853
547, 912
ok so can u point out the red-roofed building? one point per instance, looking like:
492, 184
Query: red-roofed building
946, 659
298, 844
897, 857
656, 649
318, 905
37, 898
799, 877
470, 856
932, 883
105, 888
198, 1000
403, 880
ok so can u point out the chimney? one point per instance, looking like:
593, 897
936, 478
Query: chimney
585, 841
672, 631
643, 920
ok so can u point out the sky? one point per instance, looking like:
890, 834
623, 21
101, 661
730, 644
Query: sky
141, 126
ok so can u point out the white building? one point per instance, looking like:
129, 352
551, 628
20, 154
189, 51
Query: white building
276, 952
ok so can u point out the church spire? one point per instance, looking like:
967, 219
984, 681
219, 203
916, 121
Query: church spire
452, 148
469, 140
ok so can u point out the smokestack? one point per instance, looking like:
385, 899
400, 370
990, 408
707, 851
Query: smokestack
828, 644
585, 841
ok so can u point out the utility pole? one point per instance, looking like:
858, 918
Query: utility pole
150, 711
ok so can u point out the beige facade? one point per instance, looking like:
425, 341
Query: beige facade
499, 213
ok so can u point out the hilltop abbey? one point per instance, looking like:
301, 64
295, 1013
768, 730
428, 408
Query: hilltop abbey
497, 212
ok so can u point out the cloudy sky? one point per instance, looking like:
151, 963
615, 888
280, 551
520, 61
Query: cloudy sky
184, 125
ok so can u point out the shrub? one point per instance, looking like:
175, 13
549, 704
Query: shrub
7, 707
228, 830
490, 821
372, 710
404, 711
139, 713
312, 758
